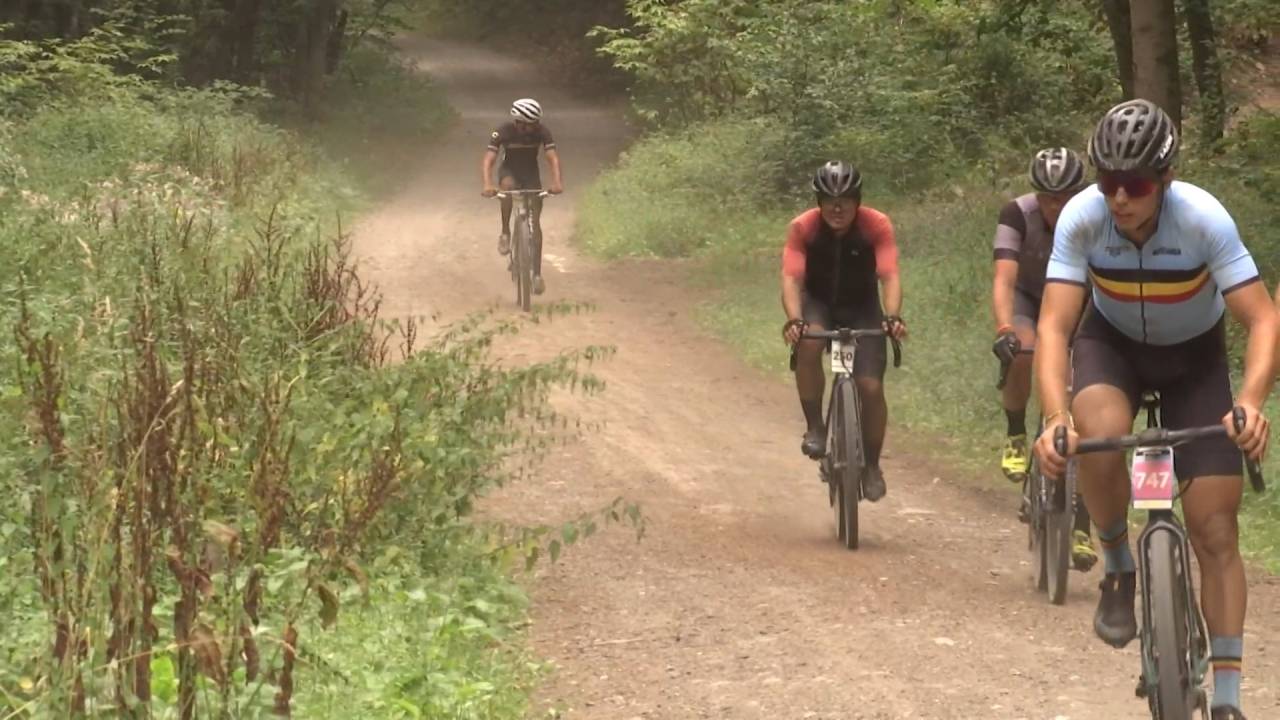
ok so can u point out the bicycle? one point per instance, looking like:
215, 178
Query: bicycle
1049, 510
1174, 640
844, 464
520, 259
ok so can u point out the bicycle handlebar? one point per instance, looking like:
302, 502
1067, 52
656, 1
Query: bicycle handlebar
503, 194
849, 334
1158, 436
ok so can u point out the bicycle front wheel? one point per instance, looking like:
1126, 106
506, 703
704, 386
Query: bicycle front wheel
1167, 628
1058, 524
850, 470
523, 266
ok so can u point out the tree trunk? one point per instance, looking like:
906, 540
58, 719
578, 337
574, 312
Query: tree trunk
1207, 68
1117, 14
1155, 55
245, 52
313, 45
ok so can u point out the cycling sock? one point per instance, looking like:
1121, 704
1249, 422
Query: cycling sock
537, 252
1225, 653
812, 413
1017, 420
1115, 548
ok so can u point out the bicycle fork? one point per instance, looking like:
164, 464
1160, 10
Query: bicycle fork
1164, 521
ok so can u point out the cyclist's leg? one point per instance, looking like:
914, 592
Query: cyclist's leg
1202, 396
810, 380
536, 208
868, 374
1106, 389
505, 182
1017, 389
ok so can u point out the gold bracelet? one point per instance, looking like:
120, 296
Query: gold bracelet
1071, 421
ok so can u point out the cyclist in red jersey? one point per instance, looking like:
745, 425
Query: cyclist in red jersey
840, 269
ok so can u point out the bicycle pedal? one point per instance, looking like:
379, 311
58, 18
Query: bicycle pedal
1141, 690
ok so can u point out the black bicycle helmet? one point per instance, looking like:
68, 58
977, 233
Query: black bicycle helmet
1134, 135
1057, 170
837, 179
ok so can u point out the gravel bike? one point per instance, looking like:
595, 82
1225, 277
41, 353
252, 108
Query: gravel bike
1174, 639
844, 465
520, 259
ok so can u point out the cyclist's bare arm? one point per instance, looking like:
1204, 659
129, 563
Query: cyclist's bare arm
891, 293
1059, 315
553, 162
486, 168
1002, 289
1252, 307
792, 291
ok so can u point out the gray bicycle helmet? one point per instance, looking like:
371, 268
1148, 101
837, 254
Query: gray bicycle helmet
837, 179
1057, 170
1134, 135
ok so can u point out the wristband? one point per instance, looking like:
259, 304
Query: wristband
1071, 421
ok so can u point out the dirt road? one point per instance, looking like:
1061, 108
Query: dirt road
739, 603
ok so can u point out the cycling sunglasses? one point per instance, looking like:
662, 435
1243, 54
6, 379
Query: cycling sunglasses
1135, 185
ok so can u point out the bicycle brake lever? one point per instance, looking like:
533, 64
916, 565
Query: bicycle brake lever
1060, 440
1259, 485
897, 351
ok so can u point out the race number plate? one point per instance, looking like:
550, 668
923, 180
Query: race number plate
842, 357
1154, 484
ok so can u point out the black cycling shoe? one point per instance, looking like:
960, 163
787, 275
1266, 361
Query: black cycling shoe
1227, 712
1115, 621
815, 443
873, 484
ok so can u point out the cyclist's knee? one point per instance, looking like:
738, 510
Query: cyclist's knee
1102, 411
1025, 329
809, 351
870, 387
507, 183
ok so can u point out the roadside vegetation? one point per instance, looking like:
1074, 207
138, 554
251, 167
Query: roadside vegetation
226, 493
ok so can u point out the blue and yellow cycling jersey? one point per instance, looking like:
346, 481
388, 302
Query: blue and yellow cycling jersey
1168, 290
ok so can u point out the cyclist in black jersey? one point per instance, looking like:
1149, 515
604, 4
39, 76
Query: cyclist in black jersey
517, 143
1023, 242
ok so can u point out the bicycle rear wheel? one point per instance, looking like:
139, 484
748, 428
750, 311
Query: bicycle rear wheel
849, 471
1166, 629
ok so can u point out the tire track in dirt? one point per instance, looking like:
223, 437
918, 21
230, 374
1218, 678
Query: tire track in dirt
738, 603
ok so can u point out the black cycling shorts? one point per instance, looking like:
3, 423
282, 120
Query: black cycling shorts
524, 178
1026, 305
1192, 378
871, 358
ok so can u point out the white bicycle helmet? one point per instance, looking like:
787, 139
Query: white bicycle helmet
526, 110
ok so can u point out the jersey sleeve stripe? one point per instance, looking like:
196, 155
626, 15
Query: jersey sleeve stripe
1006, 254
1237, 286
1065, 281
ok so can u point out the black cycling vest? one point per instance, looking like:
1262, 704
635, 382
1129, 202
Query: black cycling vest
841, 272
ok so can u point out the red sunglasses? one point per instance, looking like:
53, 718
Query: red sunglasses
1135, 185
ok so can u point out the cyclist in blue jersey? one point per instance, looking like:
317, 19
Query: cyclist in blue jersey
1164, 260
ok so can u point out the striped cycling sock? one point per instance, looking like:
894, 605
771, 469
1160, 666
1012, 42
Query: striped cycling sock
1115, 548
1226, 653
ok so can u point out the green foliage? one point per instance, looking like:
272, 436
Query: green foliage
674, 194
922, 81
554, 31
